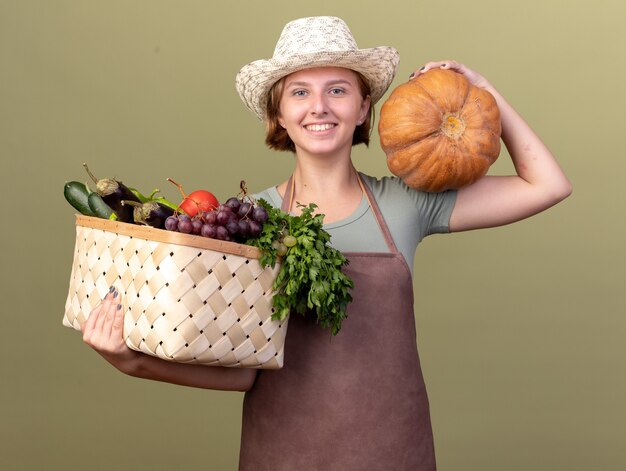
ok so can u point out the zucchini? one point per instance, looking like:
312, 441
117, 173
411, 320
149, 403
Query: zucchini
98, 207
77, 194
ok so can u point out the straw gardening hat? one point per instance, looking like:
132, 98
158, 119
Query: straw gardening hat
315, 42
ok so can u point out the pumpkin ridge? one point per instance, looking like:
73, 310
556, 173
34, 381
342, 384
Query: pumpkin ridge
444, 112
405, 166
435, 133
433, 99
477, 166
486, 152
469, 92
474, 129
390, 128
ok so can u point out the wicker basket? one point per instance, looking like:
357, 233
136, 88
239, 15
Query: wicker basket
187, 298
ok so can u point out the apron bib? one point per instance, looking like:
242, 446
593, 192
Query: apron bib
355, 401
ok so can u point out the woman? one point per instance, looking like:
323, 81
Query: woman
358, 400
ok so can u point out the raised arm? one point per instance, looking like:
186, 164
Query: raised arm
497, 200
103, 332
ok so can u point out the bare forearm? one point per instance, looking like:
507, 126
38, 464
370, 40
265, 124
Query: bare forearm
198, 376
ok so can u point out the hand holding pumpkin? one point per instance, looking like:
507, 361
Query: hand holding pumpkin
471, 75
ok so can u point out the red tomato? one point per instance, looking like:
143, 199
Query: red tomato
199, 200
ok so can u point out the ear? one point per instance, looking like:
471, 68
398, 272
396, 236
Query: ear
365, 108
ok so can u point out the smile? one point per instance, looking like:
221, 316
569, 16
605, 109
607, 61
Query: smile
319, 127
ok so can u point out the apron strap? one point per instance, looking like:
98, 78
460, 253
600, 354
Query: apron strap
288, 202
289, 192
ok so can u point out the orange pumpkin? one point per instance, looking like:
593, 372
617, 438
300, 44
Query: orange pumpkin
439, 131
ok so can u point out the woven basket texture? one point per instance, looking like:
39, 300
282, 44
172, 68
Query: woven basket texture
186, 298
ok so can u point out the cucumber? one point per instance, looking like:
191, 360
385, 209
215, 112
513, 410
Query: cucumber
77, 194
98, 207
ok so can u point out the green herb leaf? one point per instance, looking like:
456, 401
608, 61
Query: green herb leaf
310, 280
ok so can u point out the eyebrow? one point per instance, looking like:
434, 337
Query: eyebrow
330, 82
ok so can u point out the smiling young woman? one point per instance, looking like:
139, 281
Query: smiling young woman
321, 406
356, 401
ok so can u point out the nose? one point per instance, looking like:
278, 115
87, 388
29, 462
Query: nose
319, 105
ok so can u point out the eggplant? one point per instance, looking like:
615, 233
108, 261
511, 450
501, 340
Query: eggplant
113, 192
150, 213
152, 197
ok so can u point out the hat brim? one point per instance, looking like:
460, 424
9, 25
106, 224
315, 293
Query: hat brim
378, 65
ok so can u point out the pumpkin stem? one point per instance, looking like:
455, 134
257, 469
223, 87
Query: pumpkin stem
452, 125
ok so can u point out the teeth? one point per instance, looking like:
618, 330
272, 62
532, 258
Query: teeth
319, 127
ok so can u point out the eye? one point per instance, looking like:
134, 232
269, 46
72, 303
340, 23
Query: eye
336, 91
298, 92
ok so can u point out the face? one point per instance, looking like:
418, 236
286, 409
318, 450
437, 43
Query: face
320, 108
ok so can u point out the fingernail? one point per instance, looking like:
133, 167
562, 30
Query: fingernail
111, 289
119, 307
422, 67
115, 293
444, 65
412, 75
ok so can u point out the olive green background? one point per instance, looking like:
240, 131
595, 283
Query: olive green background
521, 328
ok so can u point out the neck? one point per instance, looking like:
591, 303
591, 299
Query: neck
319, 177
333, 185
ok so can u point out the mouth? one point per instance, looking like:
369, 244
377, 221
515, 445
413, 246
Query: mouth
319, 127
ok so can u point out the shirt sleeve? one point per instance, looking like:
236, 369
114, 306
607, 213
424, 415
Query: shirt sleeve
428, 213
435, 210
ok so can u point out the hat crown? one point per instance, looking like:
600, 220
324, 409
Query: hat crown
313, 35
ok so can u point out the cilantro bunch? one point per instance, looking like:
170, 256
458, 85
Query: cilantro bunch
310, 279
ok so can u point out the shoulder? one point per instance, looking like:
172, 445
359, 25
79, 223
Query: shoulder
270, 195
393, 189
385, 186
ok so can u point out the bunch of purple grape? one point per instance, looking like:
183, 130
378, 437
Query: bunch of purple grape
236, 221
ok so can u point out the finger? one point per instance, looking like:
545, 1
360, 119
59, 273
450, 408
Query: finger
93, 320
454, 65
90, 322
117, 326
106, 304
417, 72
443, 64
111, 313
449, 64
